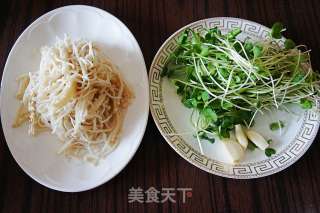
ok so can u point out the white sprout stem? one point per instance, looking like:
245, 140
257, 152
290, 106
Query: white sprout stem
242, 48
236, 58
212, 79
252, 118
297, 99
229, 81
208, 91
195, 124
273, 92
283, 96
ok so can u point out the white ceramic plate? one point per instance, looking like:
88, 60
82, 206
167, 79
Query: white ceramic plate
37, 155
172, 117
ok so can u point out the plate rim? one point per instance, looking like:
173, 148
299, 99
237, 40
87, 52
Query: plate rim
198, 165
145, 109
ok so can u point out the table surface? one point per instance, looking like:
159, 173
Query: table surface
297, 189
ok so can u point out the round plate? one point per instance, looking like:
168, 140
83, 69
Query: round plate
172, 118
38, 156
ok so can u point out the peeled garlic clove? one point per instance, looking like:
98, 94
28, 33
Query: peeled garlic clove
257, 139
233, 149
241, 136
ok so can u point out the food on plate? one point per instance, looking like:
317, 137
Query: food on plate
241, 136
257, 139
77, 94
227, 82
233, 149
